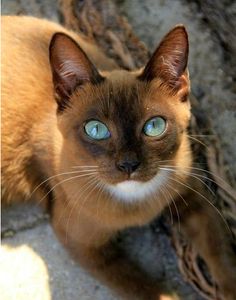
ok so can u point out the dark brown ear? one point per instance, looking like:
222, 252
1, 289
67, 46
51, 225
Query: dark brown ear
70, 67
169, 61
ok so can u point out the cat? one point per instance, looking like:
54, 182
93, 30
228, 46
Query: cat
104, 149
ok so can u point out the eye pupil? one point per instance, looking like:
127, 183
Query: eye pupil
154, 127
94, 131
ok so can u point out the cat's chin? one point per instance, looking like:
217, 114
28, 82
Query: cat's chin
131, 191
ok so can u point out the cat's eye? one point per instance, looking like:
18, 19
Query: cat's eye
154, 127
96, 130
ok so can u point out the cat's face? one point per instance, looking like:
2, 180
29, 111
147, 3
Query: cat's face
125, 125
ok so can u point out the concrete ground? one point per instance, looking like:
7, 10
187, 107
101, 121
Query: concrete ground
33, 265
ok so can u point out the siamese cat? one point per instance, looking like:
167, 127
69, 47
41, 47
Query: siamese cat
105, 148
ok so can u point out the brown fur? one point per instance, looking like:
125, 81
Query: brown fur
42, 137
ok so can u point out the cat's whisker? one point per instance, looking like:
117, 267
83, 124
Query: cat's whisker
167, 202
72, 196
52, 177
191, 175
101, 169
177, 168
87, 166
158, 162
111, 197
100, 190
99, 195
203, 197
97, 185
173, 189
86, 170
173, 201
81, 192
221, 180
65, 180
151, 204
88, 185
197, 140
201, 135
167, 160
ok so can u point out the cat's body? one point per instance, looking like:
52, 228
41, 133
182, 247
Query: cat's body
119, 180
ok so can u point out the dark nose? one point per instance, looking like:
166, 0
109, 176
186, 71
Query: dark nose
128, 166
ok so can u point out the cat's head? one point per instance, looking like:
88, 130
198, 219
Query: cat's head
121, 127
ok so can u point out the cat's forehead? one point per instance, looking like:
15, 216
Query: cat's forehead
121, 96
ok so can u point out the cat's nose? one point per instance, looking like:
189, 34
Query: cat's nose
128, 166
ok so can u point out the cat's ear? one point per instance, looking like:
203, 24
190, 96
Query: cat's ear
169, 61
70, 66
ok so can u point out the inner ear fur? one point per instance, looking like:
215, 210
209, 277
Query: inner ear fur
169, 61
70, 67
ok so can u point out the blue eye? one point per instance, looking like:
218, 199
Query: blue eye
97, 130
154, 127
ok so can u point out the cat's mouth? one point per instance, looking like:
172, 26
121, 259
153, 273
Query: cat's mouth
131, 190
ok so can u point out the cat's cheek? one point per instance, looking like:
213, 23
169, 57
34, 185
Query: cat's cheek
162, 149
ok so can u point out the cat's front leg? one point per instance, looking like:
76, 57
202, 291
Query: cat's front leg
95, 250
112, 267
207, 230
